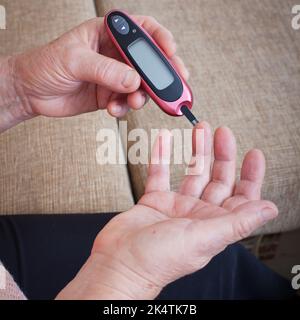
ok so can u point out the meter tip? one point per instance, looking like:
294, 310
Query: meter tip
189, 115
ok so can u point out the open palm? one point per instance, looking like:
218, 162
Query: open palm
170, 234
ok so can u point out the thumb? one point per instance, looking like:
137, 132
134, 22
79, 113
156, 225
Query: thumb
107, 72
229, 228
242, 221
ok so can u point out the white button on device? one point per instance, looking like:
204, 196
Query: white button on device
120, 24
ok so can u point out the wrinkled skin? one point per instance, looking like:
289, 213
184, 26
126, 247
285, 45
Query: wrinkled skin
167, 234
170, 234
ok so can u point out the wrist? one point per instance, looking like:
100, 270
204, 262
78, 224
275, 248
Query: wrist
103, 278
12, 101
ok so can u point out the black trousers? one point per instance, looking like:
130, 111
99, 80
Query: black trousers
44, 252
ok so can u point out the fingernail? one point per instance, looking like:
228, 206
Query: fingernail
268, 213
129, 79
145, 97
116, 109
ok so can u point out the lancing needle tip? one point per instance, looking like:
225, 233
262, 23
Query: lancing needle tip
189, 115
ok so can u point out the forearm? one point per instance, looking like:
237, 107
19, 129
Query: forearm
12, 110
100, 279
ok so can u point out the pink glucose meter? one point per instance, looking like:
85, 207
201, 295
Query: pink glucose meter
159, 78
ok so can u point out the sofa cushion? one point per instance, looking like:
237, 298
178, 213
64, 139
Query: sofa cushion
49, 165
243, 57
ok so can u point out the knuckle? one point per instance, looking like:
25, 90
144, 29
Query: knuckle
242, 229
104, 70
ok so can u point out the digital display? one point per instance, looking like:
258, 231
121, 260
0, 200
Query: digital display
151, 64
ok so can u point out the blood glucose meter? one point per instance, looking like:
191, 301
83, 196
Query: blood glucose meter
159, 77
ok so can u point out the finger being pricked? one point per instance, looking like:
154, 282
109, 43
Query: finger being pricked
198, 173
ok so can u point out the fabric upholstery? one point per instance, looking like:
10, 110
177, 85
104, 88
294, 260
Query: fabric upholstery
49, 165
243, 57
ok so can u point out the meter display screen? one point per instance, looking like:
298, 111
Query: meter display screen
151, 64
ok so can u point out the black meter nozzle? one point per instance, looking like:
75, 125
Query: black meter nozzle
189, 115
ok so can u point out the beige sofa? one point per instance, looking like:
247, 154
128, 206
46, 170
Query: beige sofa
243, 57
